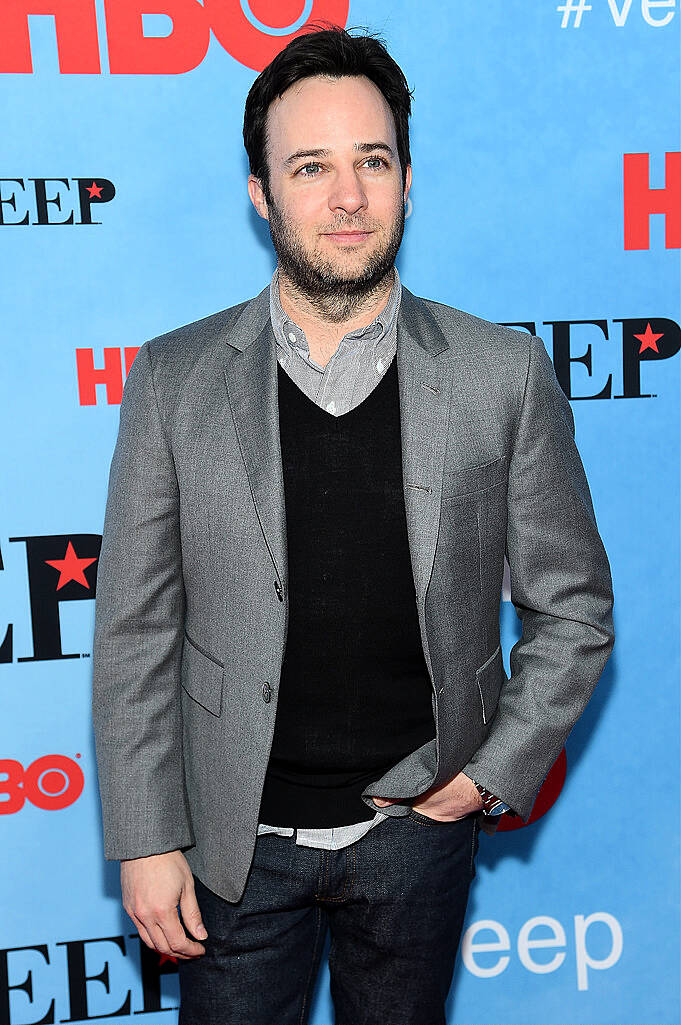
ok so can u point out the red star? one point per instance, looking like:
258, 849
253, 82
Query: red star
95, 190
648, 340
71, 567
162, 958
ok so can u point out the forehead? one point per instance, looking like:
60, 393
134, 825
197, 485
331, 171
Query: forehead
328, 113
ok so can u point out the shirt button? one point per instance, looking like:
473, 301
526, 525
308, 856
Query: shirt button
291, 336
277, 588
379, 366
331, 407
266, 693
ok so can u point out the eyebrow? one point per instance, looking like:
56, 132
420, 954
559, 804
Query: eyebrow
360, 147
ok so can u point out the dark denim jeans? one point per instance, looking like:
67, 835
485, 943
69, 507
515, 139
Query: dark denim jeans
394, 902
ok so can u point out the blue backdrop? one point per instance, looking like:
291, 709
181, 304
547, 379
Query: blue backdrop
539, 131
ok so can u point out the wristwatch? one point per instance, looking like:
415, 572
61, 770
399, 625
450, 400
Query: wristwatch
491, 804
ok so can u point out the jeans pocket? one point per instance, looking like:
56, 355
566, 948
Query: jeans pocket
475, 842
428, 821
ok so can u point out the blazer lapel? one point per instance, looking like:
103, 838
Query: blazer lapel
251, 379
425, 384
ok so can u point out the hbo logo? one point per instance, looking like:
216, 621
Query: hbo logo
51, 782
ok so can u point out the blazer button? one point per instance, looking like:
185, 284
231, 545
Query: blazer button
266, 692
277, 588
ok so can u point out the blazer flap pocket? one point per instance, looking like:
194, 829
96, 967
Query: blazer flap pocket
464, 480
490, 678
202, 676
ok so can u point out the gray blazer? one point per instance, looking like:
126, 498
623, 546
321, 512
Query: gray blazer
192, 588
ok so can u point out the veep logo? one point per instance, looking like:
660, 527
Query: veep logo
491, 957
36, 203
52, 782
640, 201
644, 339
574, 10
78, 979
61, 567
251, 31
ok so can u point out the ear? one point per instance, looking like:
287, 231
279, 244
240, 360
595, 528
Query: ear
407, 182
257, 196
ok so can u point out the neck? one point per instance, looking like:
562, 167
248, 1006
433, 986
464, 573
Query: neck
326, 320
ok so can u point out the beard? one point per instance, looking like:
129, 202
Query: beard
336, 295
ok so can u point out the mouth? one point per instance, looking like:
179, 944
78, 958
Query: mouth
348, 237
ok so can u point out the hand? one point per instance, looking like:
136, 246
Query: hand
446, 803
152, 888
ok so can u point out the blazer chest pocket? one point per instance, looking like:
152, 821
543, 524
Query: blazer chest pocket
202, 676
490, 678
467, 480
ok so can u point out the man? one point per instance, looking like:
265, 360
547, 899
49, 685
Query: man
301, 711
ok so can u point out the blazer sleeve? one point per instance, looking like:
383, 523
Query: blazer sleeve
139, 622
561, 589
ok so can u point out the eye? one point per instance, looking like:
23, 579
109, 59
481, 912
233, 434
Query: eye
376, 163
309, 170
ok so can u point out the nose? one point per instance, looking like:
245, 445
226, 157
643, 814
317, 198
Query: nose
347, 194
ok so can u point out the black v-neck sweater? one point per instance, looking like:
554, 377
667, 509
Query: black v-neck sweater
354, 694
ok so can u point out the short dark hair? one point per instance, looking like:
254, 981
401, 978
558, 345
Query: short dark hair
331, 51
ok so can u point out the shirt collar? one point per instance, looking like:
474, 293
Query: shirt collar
288, 333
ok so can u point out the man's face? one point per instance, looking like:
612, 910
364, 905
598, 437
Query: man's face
336, 210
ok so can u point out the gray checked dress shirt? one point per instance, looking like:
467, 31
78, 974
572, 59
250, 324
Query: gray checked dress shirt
353, 371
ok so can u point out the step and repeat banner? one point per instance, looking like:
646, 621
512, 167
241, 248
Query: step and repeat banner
547, 195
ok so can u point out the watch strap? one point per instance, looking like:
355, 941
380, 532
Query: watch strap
491, 804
